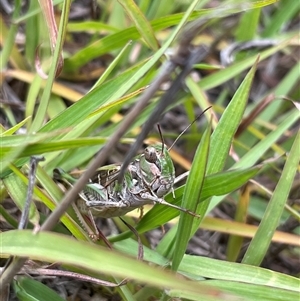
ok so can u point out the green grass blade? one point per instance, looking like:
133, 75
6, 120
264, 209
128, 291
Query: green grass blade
15, 128
262, 239
28, 289
90, 26
32, 40
254, 292
9, 50
89, 103
285, 12
51, 247
222, 137
223, 134
42, 148
191, 197
231, 271
249, 25
141, 23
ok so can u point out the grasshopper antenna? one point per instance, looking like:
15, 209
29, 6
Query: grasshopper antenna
161, 138
188, 127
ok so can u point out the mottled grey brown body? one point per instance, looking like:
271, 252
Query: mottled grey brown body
148, 178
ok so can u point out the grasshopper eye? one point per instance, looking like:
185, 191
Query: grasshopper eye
150, 154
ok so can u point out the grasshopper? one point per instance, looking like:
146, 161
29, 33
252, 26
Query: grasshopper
107, 198
147, 179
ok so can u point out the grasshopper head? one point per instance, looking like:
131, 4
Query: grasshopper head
157, 169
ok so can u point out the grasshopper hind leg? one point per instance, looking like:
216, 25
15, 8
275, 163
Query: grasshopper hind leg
94, 234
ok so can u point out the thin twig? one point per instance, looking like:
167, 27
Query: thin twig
78, 276
34, 161
14, 264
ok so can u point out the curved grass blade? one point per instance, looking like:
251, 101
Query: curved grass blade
51, 247
262, 239
223, 134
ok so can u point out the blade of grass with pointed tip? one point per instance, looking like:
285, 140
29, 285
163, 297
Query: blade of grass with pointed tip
262, 239
191, 197
13, 129
90, 102
141, 22
223, 135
